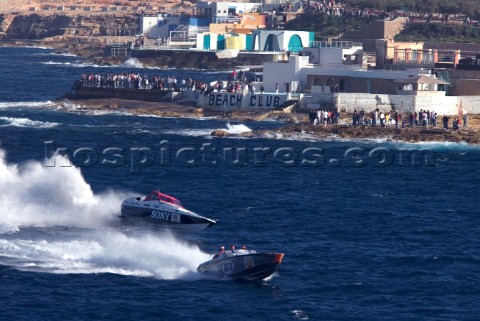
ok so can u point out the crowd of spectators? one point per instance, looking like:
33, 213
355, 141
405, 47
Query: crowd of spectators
382, 119
137, 81
320, 6
334, 8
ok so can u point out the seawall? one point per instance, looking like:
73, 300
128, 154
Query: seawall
217, 101
348, 102
119, 93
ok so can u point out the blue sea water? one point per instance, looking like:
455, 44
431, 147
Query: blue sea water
371, 230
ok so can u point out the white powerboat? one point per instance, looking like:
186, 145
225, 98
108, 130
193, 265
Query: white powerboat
158, 210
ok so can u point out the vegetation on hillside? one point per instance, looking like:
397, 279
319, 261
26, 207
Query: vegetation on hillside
470, 8
439, 32
324, 25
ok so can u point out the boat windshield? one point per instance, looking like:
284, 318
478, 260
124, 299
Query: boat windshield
157, 196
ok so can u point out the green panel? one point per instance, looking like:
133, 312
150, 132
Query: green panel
295, 44
206, 42
311, 37
249, 42
221, 42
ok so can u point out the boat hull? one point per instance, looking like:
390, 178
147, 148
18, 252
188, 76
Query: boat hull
257, 266
158, 216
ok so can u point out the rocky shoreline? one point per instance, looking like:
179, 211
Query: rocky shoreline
296, 123
408, 135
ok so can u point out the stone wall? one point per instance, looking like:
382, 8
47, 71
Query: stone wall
130, 94
347, 102
393, 27
379, 29
352, 85
464, 82
465, 87
468, 104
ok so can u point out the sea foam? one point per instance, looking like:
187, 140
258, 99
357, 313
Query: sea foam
37, 195
32, 104
103, 251
237, 128
25, 122
51, 221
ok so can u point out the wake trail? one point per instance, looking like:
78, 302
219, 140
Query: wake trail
161, 256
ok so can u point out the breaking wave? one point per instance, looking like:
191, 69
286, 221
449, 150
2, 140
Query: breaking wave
31, 104
25, 122
237, 128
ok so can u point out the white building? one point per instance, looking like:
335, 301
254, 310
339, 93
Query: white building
282, 40
338, 80
223, 11
165, 27
334, 53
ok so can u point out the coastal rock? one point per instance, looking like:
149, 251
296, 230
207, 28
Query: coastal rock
37, 27
220, 133
415, 134
41, 26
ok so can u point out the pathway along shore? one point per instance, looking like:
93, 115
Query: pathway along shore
295, 123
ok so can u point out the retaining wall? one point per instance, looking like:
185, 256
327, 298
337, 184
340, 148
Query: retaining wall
120, 93
347, 102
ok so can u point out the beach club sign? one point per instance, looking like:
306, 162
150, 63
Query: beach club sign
223, 101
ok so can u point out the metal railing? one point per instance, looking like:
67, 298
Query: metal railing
333, 44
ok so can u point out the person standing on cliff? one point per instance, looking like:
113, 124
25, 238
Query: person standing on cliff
374, 117
465, 119
355, 118
382, 120
362, 117
455, 123
445, 122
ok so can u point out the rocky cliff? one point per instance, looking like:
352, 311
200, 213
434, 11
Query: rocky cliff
40, 26
37, 27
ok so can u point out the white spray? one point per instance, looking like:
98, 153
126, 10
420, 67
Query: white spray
50, 220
